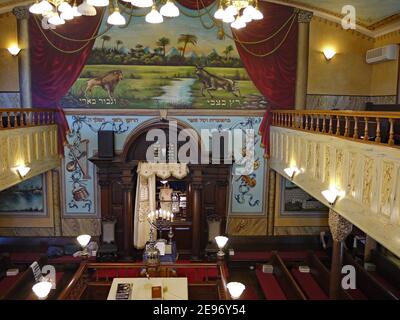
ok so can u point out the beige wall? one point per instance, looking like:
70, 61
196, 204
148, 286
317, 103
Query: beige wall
384, 75
347, 73
8, 63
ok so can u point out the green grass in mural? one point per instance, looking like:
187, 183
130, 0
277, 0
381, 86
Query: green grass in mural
141, 84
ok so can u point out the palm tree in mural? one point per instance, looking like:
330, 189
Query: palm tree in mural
104, 38
118, 43
227, 52
187, 39
163, 42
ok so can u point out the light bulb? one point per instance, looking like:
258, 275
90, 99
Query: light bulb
67, 15
64, 6
154, 16
42, 289
142, 3
116, 18
36, 8
98, 3
14, 50
256, 14
246, 18
221, 241
219, 14
329, 53
291, 171
169, 10
235, 289
56, 20
238, 23
45, 6
86, 9
75, 11
248, 11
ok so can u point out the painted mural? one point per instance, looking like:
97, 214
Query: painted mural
176, 64
80, 176
25, 198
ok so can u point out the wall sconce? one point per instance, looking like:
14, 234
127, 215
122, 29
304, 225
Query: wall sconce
221, 242
235, 289
14, 50
22, 171
331, 195
291, 171
329, 53
42, 289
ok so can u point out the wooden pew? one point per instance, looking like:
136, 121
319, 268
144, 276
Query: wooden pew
367, 283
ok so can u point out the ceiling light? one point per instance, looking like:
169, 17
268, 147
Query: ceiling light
228, 18
219, 14
116, 18
221, 242
169, 10
235, 289
67, 15
86, 9
291, 172
22, 171
238, 23
331, 195
56, 20
14, 50
36, 8
142, 3
329, 53
231, 10
45, 6
42, 289
257, 14
154, 16
98, 3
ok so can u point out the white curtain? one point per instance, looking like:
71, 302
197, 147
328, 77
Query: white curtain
146, 194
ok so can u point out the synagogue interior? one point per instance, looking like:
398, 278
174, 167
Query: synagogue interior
199, 150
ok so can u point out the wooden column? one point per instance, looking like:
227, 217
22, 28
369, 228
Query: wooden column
271, 201
127, 190
105, 193
340, 229
196, 187
303, 44
24, 64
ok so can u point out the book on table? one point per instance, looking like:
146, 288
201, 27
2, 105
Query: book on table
124, 291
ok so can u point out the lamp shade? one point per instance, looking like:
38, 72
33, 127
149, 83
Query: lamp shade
86, 9
231, 10
36, 8
67, 15
291, 171
56, 20
83, 239
154, 16
228, 18
45, 6
235, 289
169, 10
257, 14
75, 11
42, 289
14, 50
116, 18
221, 241
329, 53
98, 3
238, 23
331, 195
64, 6
219, 14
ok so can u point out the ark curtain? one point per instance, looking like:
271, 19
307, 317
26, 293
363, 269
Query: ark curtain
268, 50
56, 62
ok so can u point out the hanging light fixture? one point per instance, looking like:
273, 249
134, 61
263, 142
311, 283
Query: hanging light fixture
64, 6
75, 11
67, 15
169, 9
142, 3
238, 23
56, 20
256, 13
86, 9
154, 16
36, 8
98, 3
219, 14
116, 18
45, 6
245, 11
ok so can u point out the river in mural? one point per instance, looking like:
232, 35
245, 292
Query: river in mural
176, 64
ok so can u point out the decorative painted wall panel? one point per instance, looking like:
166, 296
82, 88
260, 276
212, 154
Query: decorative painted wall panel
80, 187
368, 174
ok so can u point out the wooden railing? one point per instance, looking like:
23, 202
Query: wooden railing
372, 127
88, 274
18, 118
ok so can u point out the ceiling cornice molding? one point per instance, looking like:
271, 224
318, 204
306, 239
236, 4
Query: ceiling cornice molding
9, 5
377, 29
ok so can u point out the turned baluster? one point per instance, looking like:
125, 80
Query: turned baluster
1, 120
324, 124
301, 121
306, 128
391, 132
355, 133
22, 119
366, 129
285, 120
378, 130
330, 125
346, 127
338, 125
8, 125
312, 123
293, 120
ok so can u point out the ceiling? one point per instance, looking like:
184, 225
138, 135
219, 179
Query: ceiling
371, 14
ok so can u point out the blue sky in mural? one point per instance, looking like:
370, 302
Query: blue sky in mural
139, 31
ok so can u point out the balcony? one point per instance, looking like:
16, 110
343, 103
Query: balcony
28, 138
358, 153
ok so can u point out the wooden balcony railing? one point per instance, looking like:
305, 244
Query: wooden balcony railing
97, 274
19, 118
368, 126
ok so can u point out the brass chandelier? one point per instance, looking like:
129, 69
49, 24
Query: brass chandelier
57, 12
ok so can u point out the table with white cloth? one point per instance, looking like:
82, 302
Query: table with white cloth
173, 288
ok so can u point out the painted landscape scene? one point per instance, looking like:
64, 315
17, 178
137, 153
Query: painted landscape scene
177, 64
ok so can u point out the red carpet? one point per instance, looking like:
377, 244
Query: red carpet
310, 287
266, 255
270, 286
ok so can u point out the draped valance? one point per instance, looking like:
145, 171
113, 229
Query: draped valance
163, 170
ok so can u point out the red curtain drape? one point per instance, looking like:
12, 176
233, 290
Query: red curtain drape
274, 75
195, 4
55, 70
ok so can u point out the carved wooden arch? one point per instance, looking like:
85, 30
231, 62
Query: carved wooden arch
156, 123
